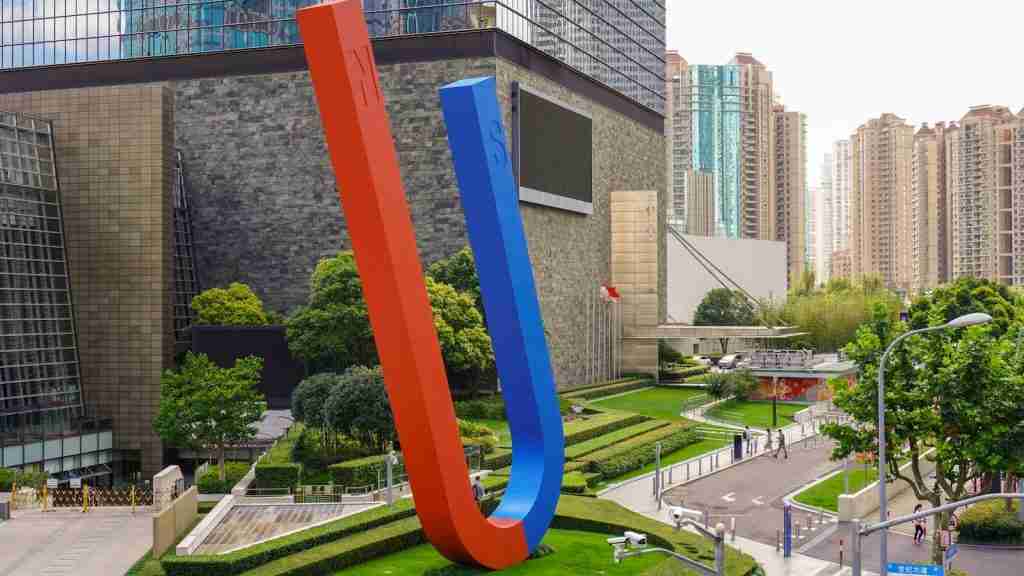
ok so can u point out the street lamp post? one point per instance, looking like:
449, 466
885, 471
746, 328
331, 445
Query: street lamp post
960, 322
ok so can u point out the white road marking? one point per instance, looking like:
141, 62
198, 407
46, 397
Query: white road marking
729, 497
757, 501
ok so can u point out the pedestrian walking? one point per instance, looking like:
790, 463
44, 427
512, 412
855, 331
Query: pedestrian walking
747, 437
478, 491
919, 529
782, 446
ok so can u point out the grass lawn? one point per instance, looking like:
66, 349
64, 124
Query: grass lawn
690, 451
826, 494
754, 414
664, 403
574, 553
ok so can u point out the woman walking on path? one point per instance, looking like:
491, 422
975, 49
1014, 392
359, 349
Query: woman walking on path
919, 529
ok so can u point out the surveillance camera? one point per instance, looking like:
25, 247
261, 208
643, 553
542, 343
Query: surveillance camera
636, 539
617, 540
676, 512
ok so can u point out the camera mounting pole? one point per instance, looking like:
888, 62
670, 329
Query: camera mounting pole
620, 549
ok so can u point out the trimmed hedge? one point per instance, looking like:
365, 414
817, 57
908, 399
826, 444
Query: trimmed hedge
574, 483
8, 476
277, 475
637, 452
358, 472
210, 482
574, 389
260, 554
991, 523
500, 458
494, 483
605, 440
610, 390
599, 426
358, 549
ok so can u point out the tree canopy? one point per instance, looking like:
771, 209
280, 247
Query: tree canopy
724, 307
459, 272
204, 406
236, 305
959, 392
333, 333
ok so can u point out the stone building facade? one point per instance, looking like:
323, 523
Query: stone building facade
264, 203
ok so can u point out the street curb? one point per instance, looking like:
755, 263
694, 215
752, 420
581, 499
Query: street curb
990, 546
789, 498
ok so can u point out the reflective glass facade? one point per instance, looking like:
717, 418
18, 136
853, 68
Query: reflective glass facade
712, 101
620, 43
39, 372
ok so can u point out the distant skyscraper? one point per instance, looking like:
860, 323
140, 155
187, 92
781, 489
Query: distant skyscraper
824, 243
985, 169
757, 167
710, 100
811, 228
790, 184
929, 233
677, 139
840, 195
880, 152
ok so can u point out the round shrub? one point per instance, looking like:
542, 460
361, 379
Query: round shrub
991, 523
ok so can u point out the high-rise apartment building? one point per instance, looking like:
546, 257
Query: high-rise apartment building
840, 194
790, 188
712, 105
929, 233
701, 204
678, 158
881, 152
811, 198
985, 185
757, 167
824, 243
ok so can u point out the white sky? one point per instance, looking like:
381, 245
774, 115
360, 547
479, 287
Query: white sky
844, 62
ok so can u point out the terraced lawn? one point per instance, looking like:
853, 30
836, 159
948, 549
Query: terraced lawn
691, 451
662, 402
756, 414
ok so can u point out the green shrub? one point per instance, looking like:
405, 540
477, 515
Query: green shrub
10, 476
605, 440
254, 556
598, 426
494, 483
277, 475
481, 409
358, 472
991, 523
637, 452
500, 458
210, 482
574, 483
309, 451
474, 434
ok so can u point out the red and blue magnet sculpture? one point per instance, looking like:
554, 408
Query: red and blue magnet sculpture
373, 200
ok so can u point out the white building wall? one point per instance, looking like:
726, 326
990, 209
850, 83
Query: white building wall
759, 266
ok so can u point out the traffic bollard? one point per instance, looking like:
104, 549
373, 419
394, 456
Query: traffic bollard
733, 527
840, 552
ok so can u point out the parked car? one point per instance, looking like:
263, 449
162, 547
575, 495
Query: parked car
731, 361
703, 360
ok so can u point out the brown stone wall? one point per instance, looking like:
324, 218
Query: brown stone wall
114, 148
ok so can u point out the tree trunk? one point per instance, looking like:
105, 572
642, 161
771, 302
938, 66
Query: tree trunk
220, 462
937, 552
725, 345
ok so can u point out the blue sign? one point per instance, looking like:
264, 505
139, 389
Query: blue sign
920, 569
951, 552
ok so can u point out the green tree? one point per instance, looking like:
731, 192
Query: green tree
236, 305
308, 404
954, 391
724, 307
465, 344
718, 385
459, 272
358, 407
332, 332
743, 383
830, 318
204, 406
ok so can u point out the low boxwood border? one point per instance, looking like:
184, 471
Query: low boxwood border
254, 556
610, 390
600, 430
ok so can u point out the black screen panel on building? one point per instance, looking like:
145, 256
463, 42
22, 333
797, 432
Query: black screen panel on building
554, 149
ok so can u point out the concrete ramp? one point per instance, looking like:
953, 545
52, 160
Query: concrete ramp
248, 524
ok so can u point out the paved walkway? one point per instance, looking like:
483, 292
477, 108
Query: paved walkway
66, 543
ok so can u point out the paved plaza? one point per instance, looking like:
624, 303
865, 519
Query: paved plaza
70, 543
